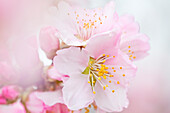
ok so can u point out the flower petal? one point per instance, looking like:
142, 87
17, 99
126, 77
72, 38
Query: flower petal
77, 92
48, 41
136, 46
108, 101
50, 98
71, 60
105, 43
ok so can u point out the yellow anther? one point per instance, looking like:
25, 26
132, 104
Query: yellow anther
134, 57
100, 22
110, 81
89, 82
113, 56
112, 67
105, 16
91, 62
102, 68
106, 68
130, 59
120, 67
128, 46
93, 82
104, 87
99, 18
107, 56
91, 67
132, 52
97, 69
113, 91
102, 65
78, 22
111, 75
104, 77
89, 106
114, 70
94, 92
118, 82
104, 61
90, 75
124, 75
129, 51
106, 72
103, 54
95, 21
99, 78
130, 56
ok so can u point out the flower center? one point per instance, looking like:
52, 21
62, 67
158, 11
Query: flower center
98, 71
87, 21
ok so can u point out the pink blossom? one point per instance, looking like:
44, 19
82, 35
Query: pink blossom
21, 62
42, 102
97, 73
12, 108
133, 43
10, 92
49, 42
77, 25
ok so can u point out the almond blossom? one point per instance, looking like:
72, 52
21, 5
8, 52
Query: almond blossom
99, 72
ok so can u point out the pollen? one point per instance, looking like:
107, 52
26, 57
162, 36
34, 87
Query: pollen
120, 67
103, 54
113, 91
134, 57
90, 75
114, 70
94, 92
100, 22
107, 56
124, 75
104, 77
99, 78
130, 56
113, 56
112, 67
89, 82
104, 87
128, 46
118, 82
110, 81
129, 51
93, 82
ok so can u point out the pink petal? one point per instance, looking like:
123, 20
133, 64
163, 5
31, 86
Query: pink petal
35, 105
12, 108
128, 25
49, 42
105, 43
10, 92
108, 101
50, 98
139, 46
54, 74
125, 69
77, 92
70, 61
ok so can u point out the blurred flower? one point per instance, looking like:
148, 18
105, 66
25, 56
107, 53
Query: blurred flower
21, 61
52, 101
77, 25
101, 69
48, 41
12, 108
10, 92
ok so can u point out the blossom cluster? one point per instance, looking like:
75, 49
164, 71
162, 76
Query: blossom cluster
92, 52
